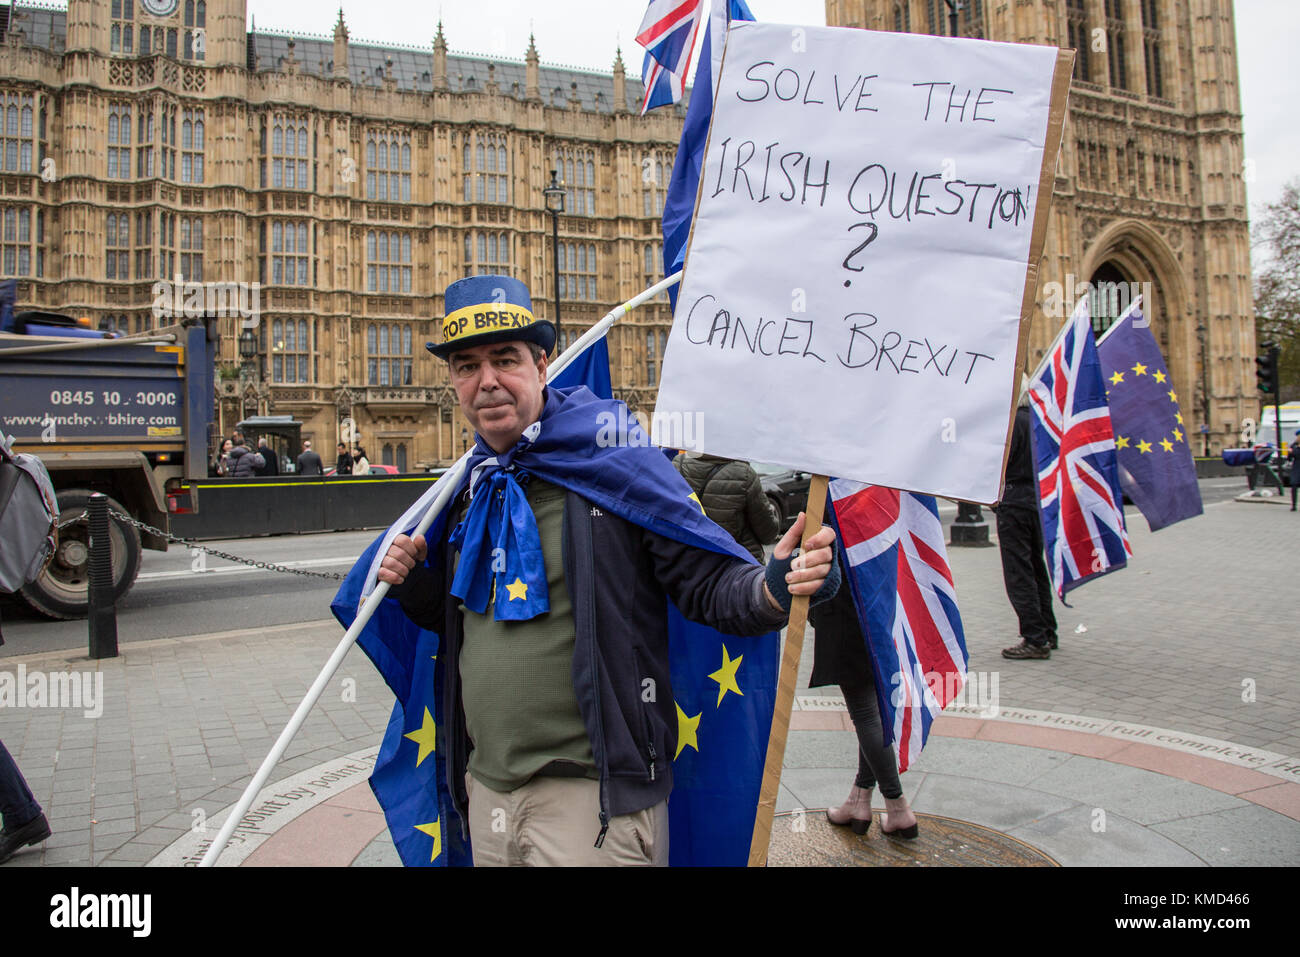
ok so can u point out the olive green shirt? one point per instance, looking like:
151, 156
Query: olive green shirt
517, 676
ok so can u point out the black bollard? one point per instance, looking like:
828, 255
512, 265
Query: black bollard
101, 613
970, 529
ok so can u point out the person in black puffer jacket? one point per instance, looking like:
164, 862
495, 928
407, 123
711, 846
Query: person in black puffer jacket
731, 494
243, 461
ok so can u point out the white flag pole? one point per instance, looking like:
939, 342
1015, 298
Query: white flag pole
448, 482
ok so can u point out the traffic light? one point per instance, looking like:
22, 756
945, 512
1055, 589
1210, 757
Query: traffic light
1266, 375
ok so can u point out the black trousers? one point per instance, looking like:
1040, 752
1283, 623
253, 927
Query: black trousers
876, 761
1024, 571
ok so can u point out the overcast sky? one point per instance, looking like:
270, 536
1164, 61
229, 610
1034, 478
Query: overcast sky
584, 33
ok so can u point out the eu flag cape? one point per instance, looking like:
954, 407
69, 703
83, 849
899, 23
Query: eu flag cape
724, 686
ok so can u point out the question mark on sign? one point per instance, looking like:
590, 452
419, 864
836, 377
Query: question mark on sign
858, 248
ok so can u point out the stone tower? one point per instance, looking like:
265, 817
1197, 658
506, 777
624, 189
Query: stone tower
1149, 188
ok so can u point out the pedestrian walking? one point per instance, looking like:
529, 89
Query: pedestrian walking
244, 463
309, 462
344, 464
731, 493
221, 464
270, 458
841, 657
1294, 455
1020, 543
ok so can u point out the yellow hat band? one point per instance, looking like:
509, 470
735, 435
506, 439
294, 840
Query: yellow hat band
488, 317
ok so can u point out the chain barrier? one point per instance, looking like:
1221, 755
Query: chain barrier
252, 563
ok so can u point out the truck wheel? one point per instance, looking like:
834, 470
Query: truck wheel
62, 588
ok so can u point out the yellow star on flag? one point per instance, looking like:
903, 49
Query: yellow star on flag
518, 589
1143, 446
1139, 369
686, 728
1178, 436
434, 830
425, 736
726, 675
1166, 445
1117, 378
1179, 417
1121, 441
1173, 396
1159, 376
696, 499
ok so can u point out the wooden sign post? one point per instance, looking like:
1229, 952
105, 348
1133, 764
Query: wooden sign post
789, 676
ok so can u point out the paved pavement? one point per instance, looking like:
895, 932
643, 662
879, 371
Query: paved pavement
1165, 732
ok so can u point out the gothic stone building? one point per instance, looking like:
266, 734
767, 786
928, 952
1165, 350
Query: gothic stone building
1149, 185
143, 140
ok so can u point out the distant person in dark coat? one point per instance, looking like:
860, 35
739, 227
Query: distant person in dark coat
1020, 540
244, 463
1294, 456
344, 464
270, 459
731, 493
309, 462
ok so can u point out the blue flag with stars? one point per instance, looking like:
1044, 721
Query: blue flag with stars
1156, 470
724, 687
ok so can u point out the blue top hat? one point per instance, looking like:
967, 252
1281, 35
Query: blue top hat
485, 309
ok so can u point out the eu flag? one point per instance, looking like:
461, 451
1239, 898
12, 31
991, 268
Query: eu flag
1156, 469
724, 687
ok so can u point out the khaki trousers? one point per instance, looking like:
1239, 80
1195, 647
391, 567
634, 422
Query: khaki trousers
553, 822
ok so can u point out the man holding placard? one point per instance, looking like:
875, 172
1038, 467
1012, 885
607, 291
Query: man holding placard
551, 597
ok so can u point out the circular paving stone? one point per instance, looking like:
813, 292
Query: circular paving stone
809, 840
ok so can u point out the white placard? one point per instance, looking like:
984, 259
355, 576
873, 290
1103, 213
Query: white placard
852, 297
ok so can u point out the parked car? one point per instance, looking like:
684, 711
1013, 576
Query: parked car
787, 489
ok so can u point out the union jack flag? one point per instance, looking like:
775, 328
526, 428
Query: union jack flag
1080, 503
893, 549
668, 34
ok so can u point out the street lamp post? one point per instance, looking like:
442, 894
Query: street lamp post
247, 353
554, 195
953, 7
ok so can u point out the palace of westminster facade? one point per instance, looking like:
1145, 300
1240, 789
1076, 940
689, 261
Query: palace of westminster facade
141, 140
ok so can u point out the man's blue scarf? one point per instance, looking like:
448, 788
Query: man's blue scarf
587, 445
